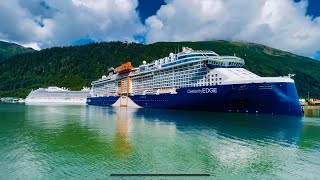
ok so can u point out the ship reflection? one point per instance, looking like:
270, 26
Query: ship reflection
280, 129
121, 139
284, 130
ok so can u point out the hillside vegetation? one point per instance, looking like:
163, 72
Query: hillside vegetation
10, 49
76, 66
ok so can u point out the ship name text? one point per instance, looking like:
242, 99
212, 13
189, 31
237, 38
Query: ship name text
202, 91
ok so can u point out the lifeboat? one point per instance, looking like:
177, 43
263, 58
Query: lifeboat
124, 68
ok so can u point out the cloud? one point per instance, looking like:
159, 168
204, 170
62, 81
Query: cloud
280, 24
32, 45
59, 23
16, 24
46, 23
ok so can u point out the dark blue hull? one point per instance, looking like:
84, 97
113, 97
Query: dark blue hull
263, 98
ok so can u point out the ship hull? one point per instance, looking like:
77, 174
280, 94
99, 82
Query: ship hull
261, 98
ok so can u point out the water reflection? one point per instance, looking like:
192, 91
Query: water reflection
311, 112
310, 138
243, 126
84, 130
92, 141
121, 140
114, 127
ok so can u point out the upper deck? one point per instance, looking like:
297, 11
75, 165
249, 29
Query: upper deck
186, 56
55, 89
189, 55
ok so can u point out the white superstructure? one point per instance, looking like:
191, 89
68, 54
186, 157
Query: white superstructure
58, 95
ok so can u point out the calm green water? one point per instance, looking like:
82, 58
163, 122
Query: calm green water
88, 142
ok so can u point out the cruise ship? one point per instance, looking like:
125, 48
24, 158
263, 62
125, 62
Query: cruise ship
59, 95
196, 80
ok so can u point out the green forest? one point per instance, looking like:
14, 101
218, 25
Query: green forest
10, 49
76, 66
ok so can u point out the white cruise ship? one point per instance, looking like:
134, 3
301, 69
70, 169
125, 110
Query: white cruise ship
57, 95
196, 80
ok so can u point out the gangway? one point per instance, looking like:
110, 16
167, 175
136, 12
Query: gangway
124, 71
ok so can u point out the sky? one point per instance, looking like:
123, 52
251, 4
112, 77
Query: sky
290, 25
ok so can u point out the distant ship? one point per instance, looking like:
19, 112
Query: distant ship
57, 95
12, 100
196, 80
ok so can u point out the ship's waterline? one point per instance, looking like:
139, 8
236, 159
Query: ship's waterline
92, 142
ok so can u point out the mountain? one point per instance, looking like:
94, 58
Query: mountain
10, 49
76, 66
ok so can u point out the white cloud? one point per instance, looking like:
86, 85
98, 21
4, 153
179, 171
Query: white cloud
68, 21
15, 23
280, 24
32, 45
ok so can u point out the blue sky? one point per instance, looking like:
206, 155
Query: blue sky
313, 8
314, 11
147, 8
291, 25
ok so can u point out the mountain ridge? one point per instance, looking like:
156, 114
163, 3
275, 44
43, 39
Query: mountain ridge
76, 66
10, 49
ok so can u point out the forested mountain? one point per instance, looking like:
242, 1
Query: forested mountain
76, 66
10, 49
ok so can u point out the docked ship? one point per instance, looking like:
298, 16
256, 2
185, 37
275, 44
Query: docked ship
196, 80
59, 95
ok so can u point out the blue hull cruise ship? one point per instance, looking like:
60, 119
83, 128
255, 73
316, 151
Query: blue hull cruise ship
196, 80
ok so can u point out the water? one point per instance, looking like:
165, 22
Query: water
88, 142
